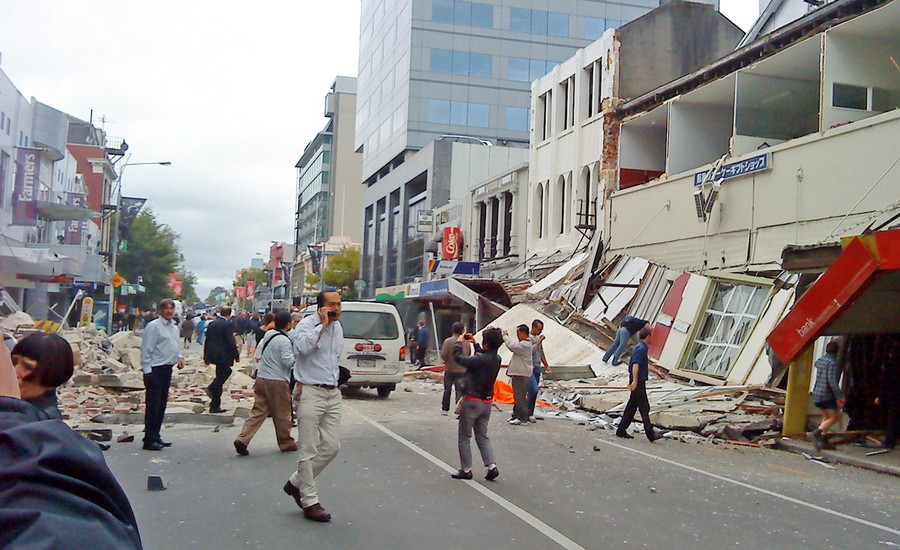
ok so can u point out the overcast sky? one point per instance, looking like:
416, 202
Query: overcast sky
230, 97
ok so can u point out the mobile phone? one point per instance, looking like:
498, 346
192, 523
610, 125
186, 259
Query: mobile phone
332, 314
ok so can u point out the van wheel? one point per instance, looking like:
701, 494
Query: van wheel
384, 391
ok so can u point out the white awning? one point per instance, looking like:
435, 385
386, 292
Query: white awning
36, 261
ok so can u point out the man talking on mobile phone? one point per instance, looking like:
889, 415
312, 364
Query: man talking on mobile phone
318, 344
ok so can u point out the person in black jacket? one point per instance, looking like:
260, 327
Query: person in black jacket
43, 362
221, 350
55, 488
630, 326
478, 398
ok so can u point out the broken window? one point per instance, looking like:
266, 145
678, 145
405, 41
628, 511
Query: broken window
730, 316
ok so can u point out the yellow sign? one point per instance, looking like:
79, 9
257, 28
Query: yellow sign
87, 311
116, 280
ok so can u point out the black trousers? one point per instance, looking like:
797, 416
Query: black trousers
421, 352
157, 385
451, 381
215, 389
637, 402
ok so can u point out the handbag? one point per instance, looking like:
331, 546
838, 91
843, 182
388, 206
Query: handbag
343, 375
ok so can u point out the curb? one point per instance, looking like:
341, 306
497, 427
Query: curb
841, 458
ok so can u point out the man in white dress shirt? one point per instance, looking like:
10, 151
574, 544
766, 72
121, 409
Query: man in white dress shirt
159, 353
318, 344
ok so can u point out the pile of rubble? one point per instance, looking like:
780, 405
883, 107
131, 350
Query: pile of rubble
108, 379
741, 415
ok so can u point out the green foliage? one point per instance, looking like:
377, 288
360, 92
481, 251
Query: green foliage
188, 292
213, 297
253, 274
152, 253
341, 271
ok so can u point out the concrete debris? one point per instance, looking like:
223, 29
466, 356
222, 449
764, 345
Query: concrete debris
108, 382
16, 321
155, 483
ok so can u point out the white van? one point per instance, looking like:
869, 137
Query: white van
374, 345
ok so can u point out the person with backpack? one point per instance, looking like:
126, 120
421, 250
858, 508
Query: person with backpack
271, 390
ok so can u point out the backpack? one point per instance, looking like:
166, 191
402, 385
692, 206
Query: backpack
263, 350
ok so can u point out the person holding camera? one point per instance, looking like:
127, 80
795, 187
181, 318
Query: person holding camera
318, 345
478, 397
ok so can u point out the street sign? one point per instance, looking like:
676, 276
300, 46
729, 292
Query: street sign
359, 285
116, 280
123, 246
424, 222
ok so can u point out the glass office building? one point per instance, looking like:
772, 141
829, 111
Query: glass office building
429, 68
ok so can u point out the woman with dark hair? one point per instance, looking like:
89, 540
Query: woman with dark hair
43, 362
478, 397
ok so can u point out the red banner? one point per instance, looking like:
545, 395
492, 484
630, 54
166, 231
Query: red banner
451, 247
240, 292
177, 288
251, 288
173, 277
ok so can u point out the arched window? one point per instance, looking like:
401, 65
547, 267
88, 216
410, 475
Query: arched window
539, 211
561, 196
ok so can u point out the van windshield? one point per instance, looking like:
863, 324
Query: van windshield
369, 325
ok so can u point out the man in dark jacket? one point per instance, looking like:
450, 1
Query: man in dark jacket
221, 350
478, 397
55, 488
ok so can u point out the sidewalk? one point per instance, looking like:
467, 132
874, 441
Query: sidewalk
885, 463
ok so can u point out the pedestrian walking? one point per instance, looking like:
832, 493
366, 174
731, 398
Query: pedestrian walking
637, 383
318, 345
187, 330
539, 365
827, 394
253, 334
271, 389
413, 347
453, 372
630, 326
889, 397
478, 398
221, 350
159, 353
520, 372
43, 362
423, 340
201, 329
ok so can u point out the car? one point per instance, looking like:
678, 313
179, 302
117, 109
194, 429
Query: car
374, 346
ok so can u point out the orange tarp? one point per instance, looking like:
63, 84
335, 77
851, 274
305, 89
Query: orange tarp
503, 393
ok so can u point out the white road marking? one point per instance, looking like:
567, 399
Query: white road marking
758, 489
529, 519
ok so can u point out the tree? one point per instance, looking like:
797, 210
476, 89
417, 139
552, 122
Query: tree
341, 271
188, 292
152, 254
214, 294
253, 274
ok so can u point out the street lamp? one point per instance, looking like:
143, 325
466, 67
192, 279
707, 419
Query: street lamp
115, 233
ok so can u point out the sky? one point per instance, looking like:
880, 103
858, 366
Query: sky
229, 96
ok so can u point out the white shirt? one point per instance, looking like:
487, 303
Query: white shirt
159, 345
317, 358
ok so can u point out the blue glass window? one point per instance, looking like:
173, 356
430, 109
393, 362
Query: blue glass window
519, 20
441, 61
558, 24
482, 15
538, 22
479, 115
517, 69
442, 11
462, 13
480, 65
594, 27
538, 68
517, 118
438, 111
460, 62
458, 113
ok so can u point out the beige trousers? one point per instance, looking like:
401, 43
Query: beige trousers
270, 397
318, 425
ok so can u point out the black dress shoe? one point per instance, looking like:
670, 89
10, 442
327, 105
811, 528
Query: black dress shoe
293, 492
315, 512
241, 448
153, 446
624, 435
654, 436
462, 474
217, 410
492, 474
164, 443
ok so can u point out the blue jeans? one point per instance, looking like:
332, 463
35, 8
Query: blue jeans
618, 346
533, 386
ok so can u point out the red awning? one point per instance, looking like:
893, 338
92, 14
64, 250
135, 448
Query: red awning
858, 294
